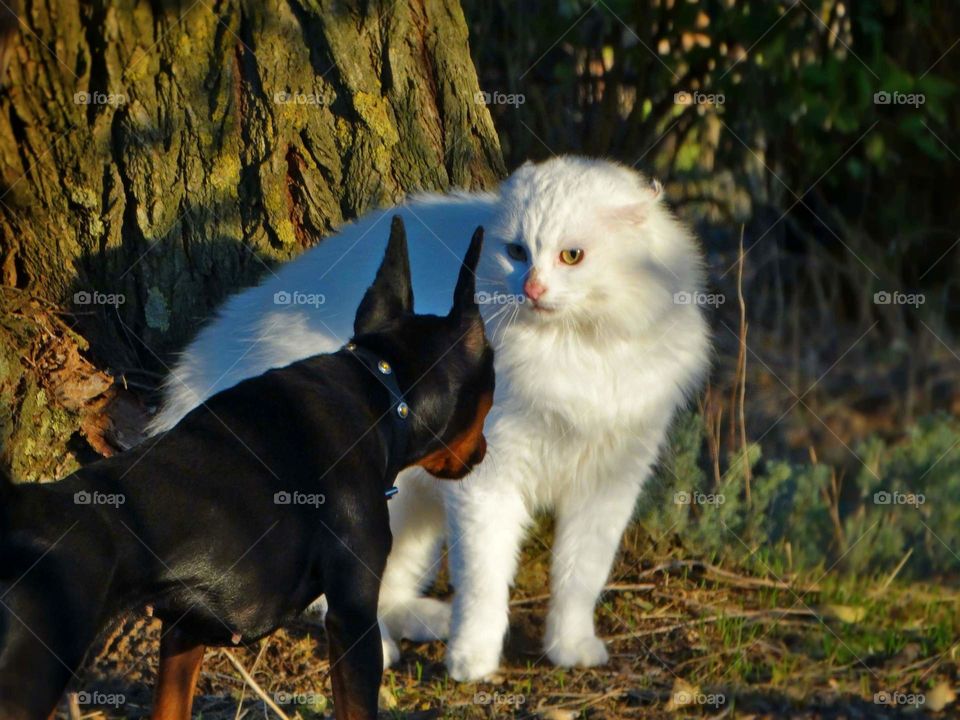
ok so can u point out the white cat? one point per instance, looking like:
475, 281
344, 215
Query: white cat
588, 281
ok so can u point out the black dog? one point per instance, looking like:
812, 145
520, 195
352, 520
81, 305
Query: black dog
268, 495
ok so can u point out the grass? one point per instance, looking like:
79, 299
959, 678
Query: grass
734, 643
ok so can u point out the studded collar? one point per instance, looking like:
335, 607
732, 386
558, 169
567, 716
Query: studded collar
396, 417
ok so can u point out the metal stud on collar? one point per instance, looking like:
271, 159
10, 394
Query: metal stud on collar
384, 368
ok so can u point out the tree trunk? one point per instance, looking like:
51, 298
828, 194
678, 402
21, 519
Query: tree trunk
155, 156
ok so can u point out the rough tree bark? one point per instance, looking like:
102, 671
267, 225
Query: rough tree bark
166, 152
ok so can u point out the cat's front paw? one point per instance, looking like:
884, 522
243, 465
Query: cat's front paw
470, 662
581, 652
419, 619
428, 619
391, 651
391, 647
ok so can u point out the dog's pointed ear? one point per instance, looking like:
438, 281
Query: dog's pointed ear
391, 294
466, 311
465, 294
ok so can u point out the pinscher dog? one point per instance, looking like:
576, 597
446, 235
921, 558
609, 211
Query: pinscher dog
269, 494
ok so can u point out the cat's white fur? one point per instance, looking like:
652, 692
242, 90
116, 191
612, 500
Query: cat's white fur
585, 391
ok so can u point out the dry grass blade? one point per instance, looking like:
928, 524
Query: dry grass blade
253, 669
742, 372
731, 578
254, 685
774, 614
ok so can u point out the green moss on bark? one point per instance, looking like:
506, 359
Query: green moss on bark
171, 158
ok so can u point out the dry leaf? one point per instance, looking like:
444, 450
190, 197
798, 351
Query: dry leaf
682, 695
850, 614
940, 696
388, 701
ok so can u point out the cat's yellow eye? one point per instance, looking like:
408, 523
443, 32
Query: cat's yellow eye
571, 256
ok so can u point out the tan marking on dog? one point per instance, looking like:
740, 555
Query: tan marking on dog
456, 458
180, 661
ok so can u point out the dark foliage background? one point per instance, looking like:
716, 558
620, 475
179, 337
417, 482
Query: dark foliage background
825, 132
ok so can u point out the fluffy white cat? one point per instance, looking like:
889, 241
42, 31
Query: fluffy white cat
587, 281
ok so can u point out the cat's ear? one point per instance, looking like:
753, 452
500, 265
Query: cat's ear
466, 311
638, 212
524, 170
634, 214
391, 294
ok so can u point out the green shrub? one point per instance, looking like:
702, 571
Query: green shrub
905, 498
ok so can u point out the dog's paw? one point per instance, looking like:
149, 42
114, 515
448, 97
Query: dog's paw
465, 664
316, 612
583, 652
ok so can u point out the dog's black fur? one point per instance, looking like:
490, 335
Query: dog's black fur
199, 536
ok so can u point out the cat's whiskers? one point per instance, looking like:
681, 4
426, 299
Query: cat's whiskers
514, 315
504, 317
499, 314
570, 329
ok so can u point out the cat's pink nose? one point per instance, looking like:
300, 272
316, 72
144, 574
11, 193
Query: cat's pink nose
533, 288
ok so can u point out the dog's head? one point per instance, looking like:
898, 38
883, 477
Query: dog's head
444, 365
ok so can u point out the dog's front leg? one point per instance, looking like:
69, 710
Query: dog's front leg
356, 653
47, 622
32, 675
180, 660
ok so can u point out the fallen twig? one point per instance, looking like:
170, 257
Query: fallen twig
595, 699
253, 669
73, 706
247, 678
775, 613
612, 587
718, 573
